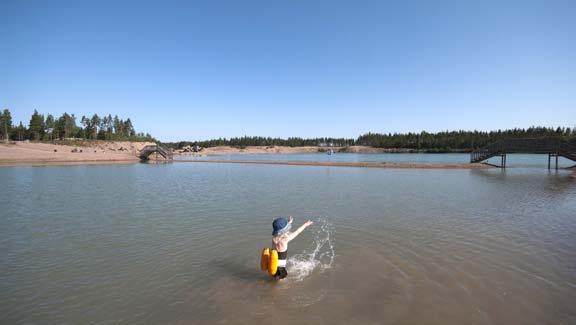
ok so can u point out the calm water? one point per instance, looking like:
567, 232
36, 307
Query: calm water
514, 160
180, 243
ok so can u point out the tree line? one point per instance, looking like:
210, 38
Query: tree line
47, 128
458, 140
264, 141
445, 141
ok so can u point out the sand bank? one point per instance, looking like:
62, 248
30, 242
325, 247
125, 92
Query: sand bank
346, 164
227, 150
80, 152
123, 152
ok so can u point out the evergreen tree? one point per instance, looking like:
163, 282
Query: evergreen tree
109, 128
19, 133
49, 125
106, 128
86, 123
128, 129
102, 128
36, 126
66, 127
5, 124
95, 123
117, 126
71, 127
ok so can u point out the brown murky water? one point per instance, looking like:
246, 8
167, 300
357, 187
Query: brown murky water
179, 244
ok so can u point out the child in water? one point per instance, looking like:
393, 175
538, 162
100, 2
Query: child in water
281, 236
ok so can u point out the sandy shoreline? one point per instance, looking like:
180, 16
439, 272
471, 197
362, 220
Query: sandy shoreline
124, 152
40, 163
227, 150
80, 152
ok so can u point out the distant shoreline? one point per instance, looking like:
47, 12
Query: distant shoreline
229, 150
346, 164
124, 152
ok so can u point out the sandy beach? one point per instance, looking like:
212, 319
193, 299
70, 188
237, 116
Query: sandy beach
82, 152
122, 152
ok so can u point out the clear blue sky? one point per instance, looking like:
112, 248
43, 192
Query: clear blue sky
194, 70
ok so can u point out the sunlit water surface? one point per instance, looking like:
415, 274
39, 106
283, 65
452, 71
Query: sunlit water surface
513, 160
180, 244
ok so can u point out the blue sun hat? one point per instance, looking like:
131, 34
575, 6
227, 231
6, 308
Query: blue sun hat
281, 226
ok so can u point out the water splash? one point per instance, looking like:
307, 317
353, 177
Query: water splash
320, 256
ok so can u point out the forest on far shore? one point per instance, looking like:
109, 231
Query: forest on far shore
49, 128
41, 128
446, 141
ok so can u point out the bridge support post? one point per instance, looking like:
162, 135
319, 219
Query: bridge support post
556, 161
555, 155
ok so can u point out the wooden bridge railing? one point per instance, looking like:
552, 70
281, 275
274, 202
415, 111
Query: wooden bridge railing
150, 149
552, 146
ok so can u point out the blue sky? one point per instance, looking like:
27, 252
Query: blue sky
194, 70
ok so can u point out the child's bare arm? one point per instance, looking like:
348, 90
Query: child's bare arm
299, 230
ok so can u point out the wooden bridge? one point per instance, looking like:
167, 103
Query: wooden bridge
158, 149
554, 147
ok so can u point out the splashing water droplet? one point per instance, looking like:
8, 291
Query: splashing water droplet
319, 256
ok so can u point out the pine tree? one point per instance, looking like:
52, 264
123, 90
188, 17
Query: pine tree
128, 128
36, 126
65, 126
49, 126
86, 131
5, 124
19, 133
109, 127
117, 127
95, 121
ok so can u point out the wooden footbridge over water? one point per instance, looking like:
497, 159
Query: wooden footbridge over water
155, 149
554, 147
